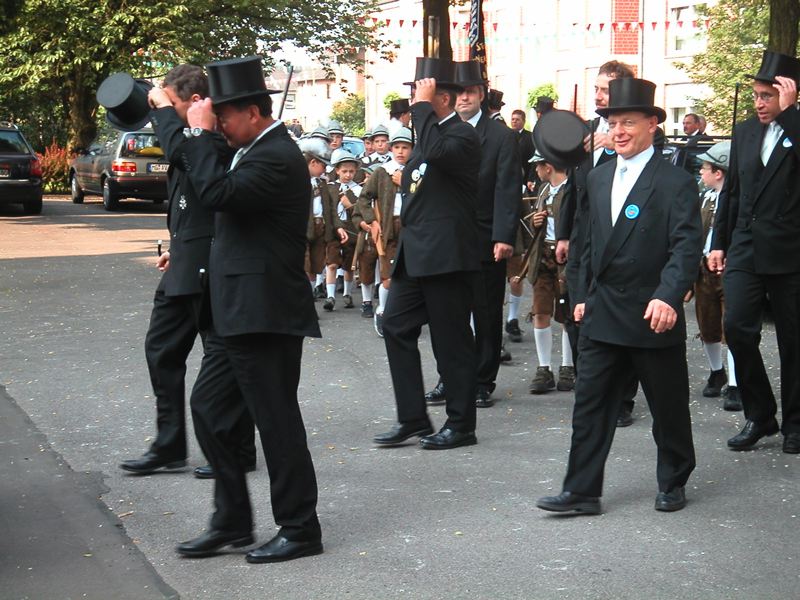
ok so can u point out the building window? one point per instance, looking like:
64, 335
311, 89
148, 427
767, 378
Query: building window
685, 39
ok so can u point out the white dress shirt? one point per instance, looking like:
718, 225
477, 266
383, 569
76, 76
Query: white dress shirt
316, 208
602, 127
550, 233
771, 137
625, 176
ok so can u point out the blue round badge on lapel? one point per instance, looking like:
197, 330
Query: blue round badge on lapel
787, 143
609, 151
631, 211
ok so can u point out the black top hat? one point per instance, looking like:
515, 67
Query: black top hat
235, 79
635, 95
469, 73
399, 106
443, 71
125, 101
543, 104
558, 137
495, 99
774, 64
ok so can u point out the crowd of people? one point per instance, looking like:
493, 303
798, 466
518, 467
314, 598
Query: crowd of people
441, 220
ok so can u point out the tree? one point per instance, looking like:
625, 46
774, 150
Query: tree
736, 39
350, 113
56, 53
545, 89
784, 18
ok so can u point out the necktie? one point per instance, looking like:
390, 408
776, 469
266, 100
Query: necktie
618, 194
236, 157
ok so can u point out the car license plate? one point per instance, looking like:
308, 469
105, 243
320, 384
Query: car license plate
157, 167
4, 173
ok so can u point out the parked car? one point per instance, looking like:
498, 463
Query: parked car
129, 165
20, 171
684, 155
353, 144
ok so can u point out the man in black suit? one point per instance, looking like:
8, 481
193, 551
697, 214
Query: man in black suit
174, 322
643, 241
261, 308
524, 142
756, 243
436, 264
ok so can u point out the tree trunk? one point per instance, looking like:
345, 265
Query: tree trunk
82, 109
440, 9
784, 18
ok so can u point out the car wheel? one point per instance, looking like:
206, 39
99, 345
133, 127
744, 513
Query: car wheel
110, 197
75, 189
33, 207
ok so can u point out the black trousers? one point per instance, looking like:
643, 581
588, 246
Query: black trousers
169, 340
265, 369
744, 311
444, 302
599, 392
488, 316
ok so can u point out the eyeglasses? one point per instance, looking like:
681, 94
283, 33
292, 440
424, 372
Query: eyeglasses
763, 96
626, 124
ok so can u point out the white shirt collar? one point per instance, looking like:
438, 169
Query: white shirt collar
450, 116
475, 118
636, 163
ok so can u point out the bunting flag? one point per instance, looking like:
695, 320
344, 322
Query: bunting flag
477, 38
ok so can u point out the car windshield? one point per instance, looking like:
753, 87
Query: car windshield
140, 144
11, 142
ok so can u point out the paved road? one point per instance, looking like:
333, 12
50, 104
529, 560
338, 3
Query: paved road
75, 290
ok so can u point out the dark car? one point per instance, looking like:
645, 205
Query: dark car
128, 165
683, 154
20, 171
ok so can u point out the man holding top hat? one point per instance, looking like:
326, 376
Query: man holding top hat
643, 242
435, 266
261, 308
757, 245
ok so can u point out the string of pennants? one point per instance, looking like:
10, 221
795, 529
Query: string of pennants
602, 26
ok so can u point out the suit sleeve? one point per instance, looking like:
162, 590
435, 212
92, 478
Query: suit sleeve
789, 119
566, 214
507, 192
727, 205
363, 210
585, 274
447, 152
169, 129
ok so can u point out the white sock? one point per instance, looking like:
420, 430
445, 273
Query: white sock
513, 306
566, 350
312, 285
340, 272
378, 272
348, 286
320, 278
714, 355
731, 371
383, 296
366, 292
544, 345
331, 289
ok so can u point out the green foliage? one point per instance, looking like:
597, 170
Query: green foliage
545, 89
350, 113
55, 168
737, 37
387, 99
56, 52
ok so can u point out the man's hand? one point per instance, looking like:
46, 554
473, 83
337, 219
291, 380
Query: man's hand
397, 177
562, 251
342, 236
538, 218
157, 98
375, 231
531, 186
601, 140
716, 261
661, 315
577, 314
426, 90
162, 263
502, 251
201, 114
787, 91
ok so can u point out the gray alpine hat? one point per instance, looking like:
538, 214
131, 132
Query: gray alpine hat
403, 134
718, 155
315, 147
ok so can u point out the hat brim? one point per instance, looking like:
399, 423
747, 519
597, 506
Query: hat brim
769, 80
652, 111
127, 125
444, 85
243, 95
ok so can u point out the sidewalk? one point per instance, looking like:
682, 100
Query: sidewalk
58, 540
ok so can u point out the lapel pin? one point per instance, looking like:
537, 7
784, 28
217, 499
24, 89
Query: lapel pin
631, 211
415, 175
609, 151
787, 143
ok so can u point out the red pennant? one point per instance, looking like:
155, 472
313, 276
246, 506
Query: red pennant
626, 26
641, 25
413, 23
615, 25
401, 21
708, 23
494, 26
388, 22
374, 20
694, 24
361, 20
653, 25
680, 24
666, 24
601, 26
455, 24
588, 26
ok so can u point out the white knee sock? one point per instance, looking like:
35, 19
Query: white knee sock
566, 350
366, 292
714, 354
312, 285
383, 296
513, 306
320, 278
731, 371
544, 345
340, 272
348, 286
331, 289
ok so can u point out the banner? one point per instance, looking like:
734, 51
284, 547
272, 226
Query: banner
477, 40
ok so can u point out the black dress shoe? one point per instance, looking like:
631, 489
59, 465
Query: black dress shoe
436, 395
448, 438
400, 432
150, 463
484, 398
672, 500
733, 400
213, 541
716, 381
569, 502
625, 418
505, 355
207, 471
751, 433
279, 549
791, 443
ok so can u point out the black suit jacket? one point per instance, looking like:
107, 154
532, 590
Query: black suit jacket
758, 217
499, 186
525, 145
652, 255
440, 196
190, 224
257, 281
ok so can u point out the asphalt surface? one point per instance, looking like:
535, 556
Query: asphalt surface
76, 287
